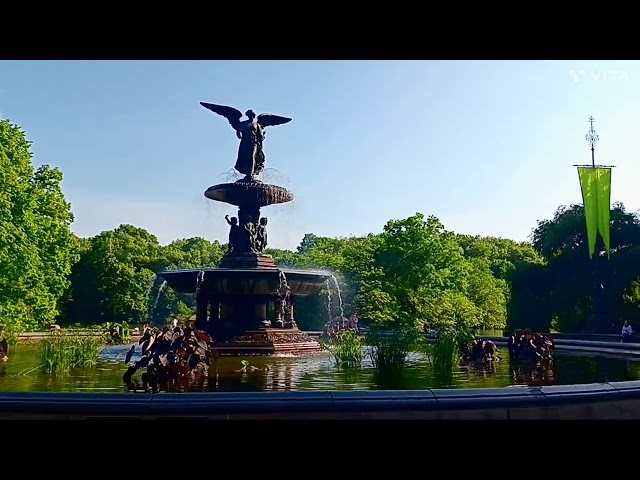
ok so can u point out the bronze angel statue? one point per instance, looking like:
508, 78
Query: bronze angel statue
251, 133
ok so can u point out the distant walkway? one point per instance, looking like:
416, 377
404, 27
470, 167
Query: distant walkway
37, 336
566, 338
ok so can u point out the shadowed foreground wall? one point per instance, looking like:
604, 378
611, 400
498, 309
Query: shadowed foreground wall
620, 400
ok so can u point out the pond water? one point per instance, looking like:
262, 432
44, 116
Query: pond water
318, 372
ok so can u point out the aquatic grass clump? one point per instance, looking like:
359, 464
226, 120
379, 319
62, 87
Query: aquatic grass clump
61, 353
346, 348
390, 347
444, 353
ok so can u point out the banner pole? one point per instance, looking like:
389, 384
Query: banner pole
592, 138
600, 321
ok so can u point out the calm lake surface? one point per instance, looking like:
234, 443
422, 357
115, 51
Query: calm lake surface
21, 374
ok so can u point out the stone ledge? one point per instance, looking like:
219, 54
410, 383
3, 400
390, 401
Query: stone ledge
619, 400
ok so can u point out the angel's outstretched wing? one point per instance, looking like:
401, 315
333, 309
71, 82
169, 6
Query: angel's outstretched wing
268, 120
232, 115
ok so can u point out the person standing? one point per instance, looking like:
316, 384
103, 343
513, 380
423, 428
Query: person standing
627, 331
354, 322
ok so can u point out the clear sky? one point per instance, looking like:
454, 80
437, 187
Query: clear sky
486, 146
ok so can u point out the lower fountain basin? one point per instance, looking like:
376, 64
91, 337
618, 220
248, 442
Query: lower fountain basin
250, 281
253, 193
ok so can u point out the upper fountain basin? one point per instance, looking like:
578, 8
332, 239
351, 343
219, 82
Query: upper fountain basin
249, 193
249, 281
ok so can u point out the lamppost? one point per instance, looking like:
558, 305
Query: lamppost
593, 138
595, 183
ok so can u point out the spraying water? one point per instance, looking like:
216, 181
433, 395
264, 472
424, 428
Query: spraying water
329, 303
151, 283
149, 290
338, 292
162, 287
329, 327
273, 175
335, 324
199, 280
230, 175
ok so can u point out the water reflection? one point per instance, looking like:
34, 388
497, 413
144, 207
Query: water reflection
317, 372
533, 375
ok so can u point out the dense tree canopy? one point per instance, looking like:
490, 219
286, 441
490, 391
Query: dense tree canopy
557, 294
37, 248
414, 272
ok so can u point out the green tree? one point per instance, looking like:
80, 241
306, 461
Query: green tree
323, 253
497, 263
559, 294
413, 273
36, 243
113, 279
488, 293
191, 253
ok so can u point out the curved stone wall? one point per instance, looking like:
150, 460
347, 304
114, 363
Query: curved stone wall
619, 400
614, 400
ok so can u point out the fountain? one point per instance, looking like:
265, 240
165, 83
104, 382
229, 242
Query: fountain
247, 304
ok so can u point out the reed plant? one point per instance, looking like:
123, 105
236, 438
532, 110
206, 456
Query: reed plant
346, 348
444, 353
390, 347
61, 353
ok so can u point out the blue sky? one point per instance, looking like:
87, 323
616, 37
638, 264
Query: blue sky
486, 146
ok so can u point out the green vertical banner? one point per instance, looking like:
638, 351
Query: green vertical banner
596, 196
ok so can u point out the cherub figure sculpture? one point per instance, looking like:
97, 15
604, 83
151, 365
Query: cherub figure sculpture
251, 237
235, 233
261, 235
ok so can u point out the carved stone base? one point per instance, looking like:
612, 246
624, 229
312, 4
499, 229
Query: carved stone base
247, 261
268, 341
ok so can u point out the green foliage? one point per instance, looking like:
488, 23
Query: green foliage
113, 333
557, 293
36, 244
418, 271
11, 331
346, 348
113, 278
320, 253
413, 275
183, 253
60, 353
